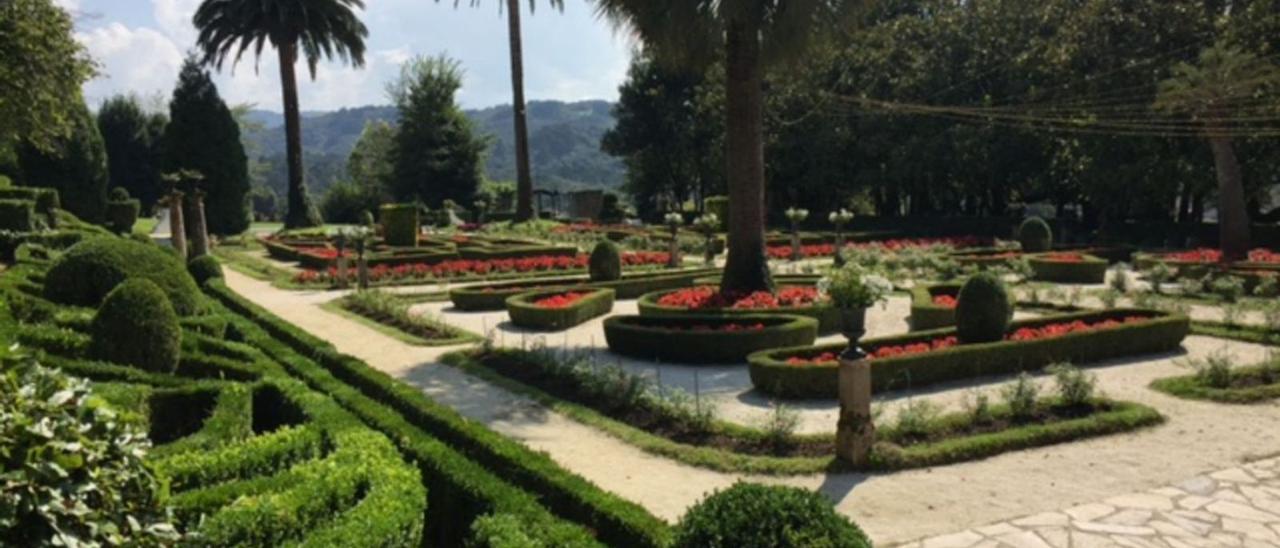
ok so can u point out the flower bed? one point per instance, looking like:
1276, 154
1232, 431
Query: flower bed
986, 258
494, 296
559, 309
1199, 262
815, 250
931, 357
933, 306
707, 300
706, 339
468, 268
1068, 267
780, 279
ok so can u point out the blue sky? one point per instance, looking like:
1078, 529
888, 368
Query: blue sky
568, 56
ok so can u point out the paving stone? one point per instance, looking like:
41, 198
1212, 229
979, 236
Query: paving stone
1142, 500
987, 544
1043, 519
1198, 515
1081, 539
1057, 537
1230, 495
1251, 543
1132, 516
1138, 542
1250, 529
1240, 511
1193, 502
1172, 492
1199, 485
963, 539
1194, 527
1234, 475
1107, 528
1023, 539
1225, 539
997, 530
1089, 512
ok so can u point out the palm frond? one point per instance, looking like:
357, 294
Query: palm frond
320, 29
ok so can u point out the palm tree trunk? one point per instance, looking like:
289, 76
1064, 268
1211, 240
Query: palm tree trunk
746, 268
299, 214
1233, 215
524, 180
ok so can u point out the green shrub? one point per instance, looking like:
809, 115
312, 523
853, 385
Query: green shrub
1227, 288
118, 194
204, 268
92, 268
718, 205
137, 326
605, 263
100, 493
983, 309
400, 224
702, 338
1021, 397
593, 304
1089, 270
122, 215
1035, 235
1075, 387
750, 515
17, 215
925, 314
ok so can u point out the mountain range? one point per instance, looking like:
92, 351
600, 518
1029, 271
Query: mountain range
564, 143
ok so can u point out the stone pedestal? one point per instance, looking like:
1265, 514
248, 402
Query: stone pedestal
177, 228
855, 431
795, 245
839, 258
674, 260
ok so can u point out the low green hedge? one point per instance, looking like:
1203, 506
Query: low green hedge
828, 316
17, 215
46, 199
779, 279
1265, 386
494, 296
1162, 333
122, 215
400, 224
520, 252
926, 315
1090, 270
678, 339
419, 255
524, 313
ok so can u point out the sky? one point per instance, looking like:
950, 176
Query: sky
570, 56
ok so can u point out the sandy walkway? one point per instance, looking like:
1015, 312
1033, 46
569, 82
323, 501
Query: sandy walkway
1199, 438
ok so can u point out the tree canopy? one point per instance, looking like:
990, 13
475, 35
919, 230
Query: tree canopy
41, 69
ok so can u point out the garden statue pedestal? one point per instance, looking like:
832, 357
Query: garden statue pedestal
855, 430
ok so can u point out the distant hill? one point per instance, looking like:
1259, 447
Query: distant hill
564, 143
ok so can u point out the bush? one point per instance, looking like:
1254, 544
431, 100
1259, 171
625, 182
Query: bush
101, 492
606, 262
925, 314
750, 515
983, 310
1088, 270
17, 215
1075, 387
1021, 397
122, 215
494, 296
92, 268
137, 326
718, 205
703, 339
524, 313
1035, 235
400, 224
118, 194
204, 268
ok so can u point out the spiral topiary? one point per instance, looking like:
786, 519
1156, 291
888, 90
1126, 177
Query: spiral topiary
136, 325
983, 309
1035, 235
606, 262
204, 268
758, 515
87, 271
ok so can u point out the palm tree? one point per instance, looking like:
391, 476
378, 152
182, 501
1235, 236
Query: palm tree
752, 35
1218, 91
319, 28
524, 179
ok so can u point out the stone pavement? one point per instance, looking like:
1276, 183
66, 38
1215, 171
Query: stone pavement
1234, 507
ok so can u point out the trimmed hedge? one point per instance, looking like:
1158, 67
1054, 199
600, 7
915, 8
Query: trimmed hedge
400, 224
983, 309
605, 263
1090, 270
17, 215
90, 269
519, 252
778, 279
524, 313
926, 315
828, 316
488, 297
137, 326
758, 515
1263, 385
1162, 333
676, 339
122, 215
46, 199
1035, 235
204, 268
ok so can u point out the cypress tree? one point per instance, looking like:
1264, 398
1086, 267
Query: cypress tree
74, 165
437, 156
203, 136
132, 138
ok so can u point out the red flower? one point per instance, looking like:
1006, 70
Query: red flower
945, 301
1063, 257
709, 297
563, 300
464, 267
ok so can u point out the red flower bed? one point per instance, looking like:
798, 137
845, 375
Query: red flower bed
1063, 257
563, 300
1022, 334
724, 328
1206, 255
945, 301
1004, 255
828, 250
464, 267
705, 297
327, 253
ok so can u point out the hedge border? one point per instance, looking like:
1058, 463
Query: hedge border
462, 336
476, 299
524, 313
1190, 387
646, 337
1090, 269
827, 316
925, 314
771, 375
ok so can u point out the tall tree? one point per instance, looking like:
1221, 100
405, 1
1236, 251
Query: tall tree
41, 69
317, 28
750, 35
74, 165
203, 136
132, 137
437, 155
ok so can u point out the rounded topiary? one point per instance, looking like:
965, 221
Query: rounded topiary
204, 268
400, 224
123, 214
1035, 235
983, 309
606, 262
758, 515
87, 271
118, 194
136, 325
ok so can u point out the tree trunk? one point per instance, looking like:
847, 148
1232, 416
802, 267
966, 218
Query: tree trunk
177, 229
1233, 216
524, 180
300, 213
199, 229
746, 268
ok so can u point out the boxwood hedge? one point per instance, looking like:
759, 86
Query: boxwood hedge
494, 296
17, 215
703, 339
400, 224
925, 314
1089, 270
828, 316
524, 313
87, 271
1163, 332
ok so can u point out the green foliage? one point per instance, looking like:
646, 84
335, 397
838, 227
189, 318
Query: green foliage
718, 205
41, 71
1035, 235
1075, 387
75, 166
983, 309
265, 203
17, 215
854, 287
1021, 397
1227, 288
702, 338
400, 224
524, 313
136, 325
74, 470
87, 271
1088, 270
605, 264
204, 268
344, 202
757, 516
132, 138
430, 119
123, 214
203, 136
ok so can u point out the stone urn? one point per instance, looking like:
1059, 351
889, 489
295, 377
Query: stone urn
853, 325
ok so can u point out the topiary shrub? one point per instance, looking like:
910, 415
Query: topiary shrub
400, 224
606, 262
87, 271
118, 194
1035, 235
137, 326
122, 215
751, 515
17, 215
204, 268
983, 310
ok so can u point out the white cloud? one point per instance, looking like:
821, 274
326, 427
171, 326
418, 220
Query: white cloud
69, 5
139, 60
174, 19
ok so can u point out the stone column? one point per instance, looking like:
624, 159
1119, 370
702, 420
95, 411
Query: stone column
199, 230
362, 266
839, 259
177, 229
674, 260
341, 241
795, 241
855, 431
